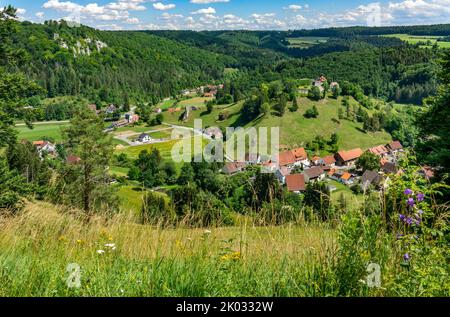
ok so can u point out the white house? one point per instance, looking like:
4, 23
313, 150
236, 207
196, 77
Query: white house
144, 138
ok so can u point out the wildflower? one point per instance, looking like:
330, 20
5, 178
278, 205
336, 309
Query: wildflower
111, 245
420, 197
409, 221
410, 202
62, 238
402, 217
100, 251
408, 192
79, 241
235, 256
406, 257
420, 212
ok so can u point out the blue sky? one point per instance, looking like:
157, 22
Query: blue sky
234, 14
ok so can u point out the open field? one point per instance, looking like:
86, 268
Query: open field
295, 129
306, 42
38, 246
209, 119
195, 101
131, 199
39, 131
414, 39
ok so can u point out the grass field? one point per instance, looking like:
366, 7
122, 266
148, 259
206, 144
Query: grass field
131, 199
40, 131
295, 129
209, 119
306, 42
414, 39
121, 258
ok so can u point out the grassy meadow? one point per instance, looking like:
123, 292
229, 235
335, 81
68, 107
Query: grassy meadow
120, 258
306, 41
40, 131
414, 39
295, 129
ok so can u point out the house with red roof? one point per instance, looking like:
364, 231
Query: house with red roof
296, 183
301, 157
379, 150
287, 159
348, 158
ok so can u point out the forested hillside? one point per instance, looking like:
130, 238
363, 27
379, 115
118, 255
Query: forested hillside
147, 66
109, 65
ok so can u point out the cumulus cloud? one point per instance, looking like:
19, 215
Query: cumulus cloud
118, 13
293, 7
208, 10
163, 7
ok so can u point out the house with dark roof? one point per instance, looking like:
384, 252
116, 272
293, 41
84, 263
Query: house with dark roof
370, 178
348, 158
144, 138
296, 183
327, 161
281, 174
342, 177
389, 168
395, 147
314, 174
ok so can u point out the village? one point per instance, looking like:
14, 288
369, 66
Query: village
294, 169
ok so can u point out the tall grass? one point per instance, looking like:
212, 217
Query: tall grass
37, 246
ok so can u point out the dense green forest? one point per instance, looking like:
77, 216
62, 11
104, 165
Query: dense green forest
147, 66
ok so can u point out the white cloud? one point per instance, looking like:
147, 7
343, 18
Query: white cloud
163, 7
208, 1
117, 13
208, 10
293, 7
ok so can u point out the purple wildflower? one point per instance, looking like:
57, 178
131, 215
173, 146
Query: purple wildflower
420, 197
410, 202
402, 217
409, 221
406, 257
408, 192
420, 212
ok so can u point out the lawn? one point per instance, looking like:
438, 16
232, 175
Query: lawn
414, 39
40, 131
